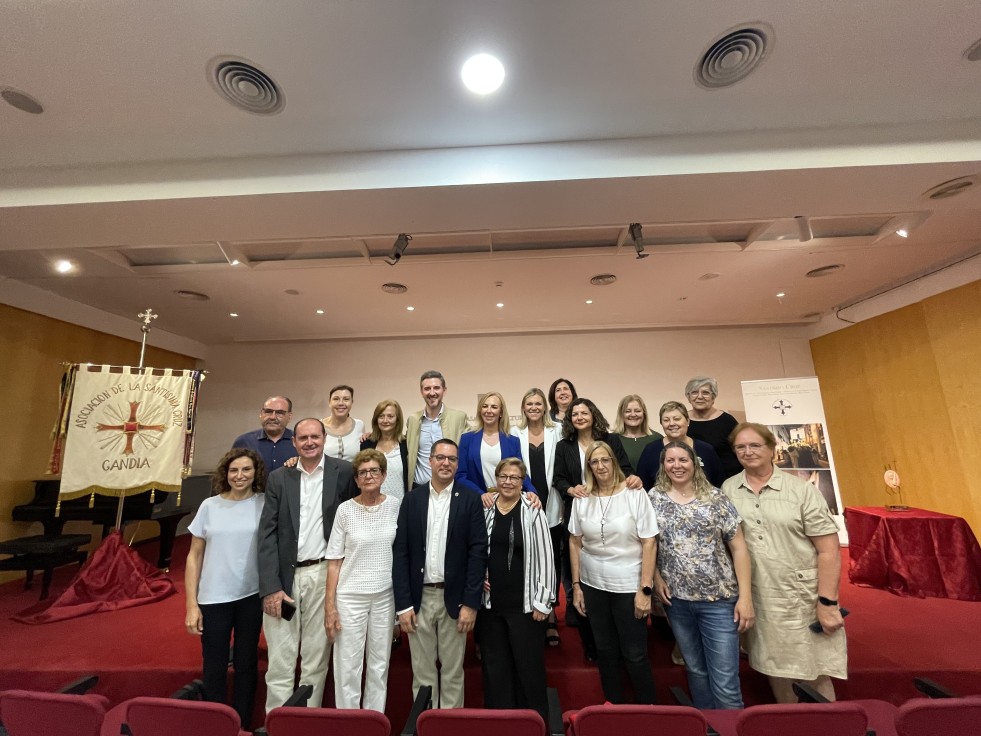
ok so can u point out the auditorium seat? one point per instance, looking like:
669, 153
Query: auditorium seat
287, 721
27, 713
663, 720
944, 717
803, 719
480, 722
166, 717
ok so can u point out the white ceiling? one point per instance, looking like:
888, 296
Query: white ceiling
858, 109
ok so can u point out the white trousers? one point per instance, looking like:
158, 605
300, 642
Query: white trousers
436, 637
366, 633
304, 637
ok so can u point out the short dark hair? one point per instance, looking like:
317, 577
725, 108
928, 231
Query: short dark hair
338, 388
219, 481
323, 429
551, 393
444, 441
432, 374
600, 426
289, 402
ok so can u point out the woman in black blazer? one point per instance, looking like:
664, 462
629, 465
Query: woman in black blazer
583, 424
386, 435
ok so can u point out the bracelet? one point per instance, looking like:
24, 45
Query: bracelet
826, 601
575, 582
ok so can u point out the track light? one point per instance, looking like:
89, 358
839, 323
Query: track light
637, 235
804, 232
398, 248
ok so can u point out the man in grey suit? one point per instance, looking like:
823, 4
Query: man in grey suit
296, 521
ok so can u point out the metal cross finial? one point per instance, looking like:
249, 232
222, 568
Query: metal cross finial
147, 316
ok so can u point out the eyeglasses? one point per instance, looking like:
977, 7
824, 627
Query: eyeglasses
445, 458
752, 447
509, 478
277, 412
596, 462
701, 392
366, 472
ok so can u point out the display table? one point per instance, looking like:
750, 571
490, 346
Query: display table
913, 553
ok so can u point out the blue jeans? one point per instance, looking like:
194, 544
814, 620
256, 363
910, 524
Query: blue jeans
709, 641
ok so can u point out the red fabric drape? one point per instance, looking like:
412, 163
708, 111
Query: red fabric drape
913, 553
115, 577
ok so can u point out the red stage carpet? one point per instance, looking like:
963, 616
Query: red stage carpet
144, 651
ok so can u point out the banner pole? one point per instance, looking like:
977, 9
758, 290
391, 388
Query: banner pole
147, 316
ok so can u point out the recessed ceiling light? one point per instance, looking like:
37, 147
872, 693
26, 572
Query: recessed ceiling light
21, 100
589, 301
780, 295
320, 311
64, 266
500, 304
902, 232
235, 262
410, 309
483, 74
233, 314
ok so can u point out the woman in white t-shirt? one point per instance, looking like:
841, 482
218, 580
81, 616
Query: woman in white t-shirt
221, 579
360, 606
613, 550
343, 431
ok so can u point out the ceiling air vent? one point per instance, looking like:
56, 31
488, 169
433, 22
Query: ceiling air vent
195, 296
246, 86
734, 56
393, 288
817, 273
603, 279
951, 188
21, 100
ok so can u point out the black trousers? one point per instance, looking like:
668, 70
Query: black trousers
244, 618
621, 641
512, 650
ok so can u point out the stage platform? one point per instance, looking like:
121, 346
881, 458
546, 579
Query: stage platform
145, 650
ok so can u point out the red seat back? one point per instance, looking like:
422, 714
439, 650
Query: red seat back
610, 720
480, 722
803, 719
942, 717
26, 713
318, 721
166, 717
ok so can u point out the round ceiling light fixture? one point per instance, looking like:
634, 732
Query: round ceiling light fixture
244, 85
735, 55
394, 288
603, 279
482, 74
64, 266
21, 100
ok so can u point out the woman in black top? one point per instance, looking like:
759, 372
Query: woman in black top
560, 395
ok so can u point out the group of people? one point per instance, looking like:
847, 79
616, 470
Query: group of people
334, 538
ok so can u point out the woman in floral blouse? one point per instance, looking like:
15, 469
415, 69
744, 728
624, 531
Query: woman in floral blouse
706, 594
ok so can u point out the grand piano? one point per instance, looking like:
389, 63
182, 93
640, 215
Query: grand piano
164, 510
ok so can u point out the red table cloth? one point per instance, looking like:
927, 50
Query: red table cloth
913, 553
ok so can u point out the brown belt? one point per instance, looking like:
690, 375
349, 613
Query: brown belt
307, 563
438, 586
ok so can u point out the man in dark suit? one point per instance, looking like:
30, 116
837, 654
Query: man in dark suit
439, 564
296, 521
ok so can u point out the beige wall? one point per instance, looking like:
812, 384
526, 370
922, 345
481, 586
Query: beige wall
904, 389
603, 367
32, 349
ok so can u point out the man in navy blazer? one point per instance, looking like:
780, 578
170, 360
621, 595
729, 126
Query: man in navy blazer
300, 505
439, 564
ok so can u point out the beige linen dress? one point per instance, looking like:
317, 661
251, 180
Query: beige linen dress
777, 525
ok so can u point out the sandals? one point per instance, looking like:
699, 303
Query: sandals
552, 634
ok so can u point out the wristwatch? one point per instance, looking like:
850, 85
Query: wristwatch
647, 590
826, 601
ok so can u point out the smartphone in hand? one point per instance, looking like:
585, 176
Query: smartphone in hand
815, 626
288, 610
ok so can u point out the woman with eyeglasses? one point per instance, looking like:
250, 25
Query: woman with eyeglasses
614, 551
360, 606
710, 424
583, 425
796, 564
674, 422
518, 594
344, 432
386, 437
702, 577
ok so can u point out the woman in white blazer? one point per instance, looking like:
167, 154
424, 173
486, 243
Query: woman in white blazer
538, 435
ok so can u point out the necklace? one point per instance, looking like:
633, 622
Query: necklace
505, 511
603, 510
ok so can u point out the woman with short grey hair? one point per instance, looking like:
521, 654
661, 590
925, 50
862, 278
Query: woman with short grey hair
709, 424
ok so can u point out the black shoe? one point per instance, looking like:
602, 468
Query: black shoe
571, 617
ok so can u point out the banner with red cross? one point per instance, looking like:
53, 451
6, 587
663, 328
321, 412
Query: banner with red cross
128, 430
